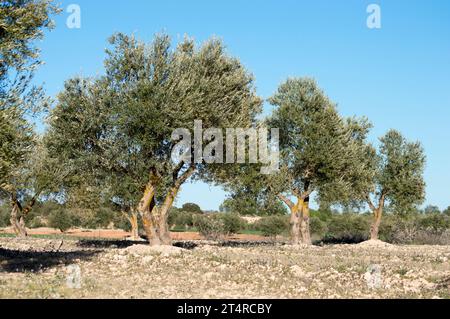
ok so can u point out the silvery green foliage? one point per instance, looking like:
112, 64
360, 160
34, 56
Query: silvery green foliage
320, 151
391, 176
400, 169
116, 130
21, 24
318, 147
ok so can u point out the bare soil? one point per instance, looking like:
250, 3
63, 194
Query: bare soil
120, 234
41, 268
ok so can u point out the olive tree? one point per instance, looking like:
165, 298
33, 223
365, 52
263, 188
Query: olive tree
318, 150
38, 175
21, 24
119, 128
393, 176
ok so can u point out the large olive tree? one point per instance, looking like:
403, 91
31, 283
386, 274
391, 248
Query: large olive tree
118, 128
318, 150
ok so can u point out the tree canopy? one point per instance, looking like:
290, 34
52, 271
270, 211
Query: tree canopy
22, 22
393, 176
318, 149
117, 129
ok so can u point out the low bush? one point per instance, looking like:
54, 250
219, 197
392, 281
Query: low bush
347, 228
60, 219
318, 227
5, 212
232, 223
211, 227
180, 219
273, 225
429, 229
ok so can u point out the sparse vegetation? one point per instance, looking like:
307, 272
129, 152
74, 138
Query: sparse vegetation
273, 225
109, 155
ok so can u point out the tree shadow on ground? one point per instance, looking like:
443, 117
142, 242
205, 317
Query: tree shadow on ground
341, 240
15, 261
188, 244
127, 243
249, 243
94, 243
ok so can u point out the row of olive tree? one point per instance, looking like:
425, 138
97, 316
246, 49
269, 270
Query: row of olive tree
323, 153
112, 135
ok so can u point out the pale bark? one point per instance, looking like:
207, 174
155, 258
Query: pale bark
294, 220
17, 221
146, 209
305, 227
295, 224
154, 218
377, 215
300, 219
18, 214
132, 218
375, 227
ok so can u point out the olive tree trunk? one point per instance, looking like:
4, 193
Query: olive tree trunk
375, 227
377, 215
295, 225
17, 221
132, 218
154, 218
305, 227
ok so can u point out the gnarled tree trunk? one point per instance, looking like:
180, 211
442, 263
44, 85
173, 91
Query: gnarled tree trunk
377, 214
305, 227
149, 213
17, 221
132, 218
154, 218
295, 223
375, 227
300, 219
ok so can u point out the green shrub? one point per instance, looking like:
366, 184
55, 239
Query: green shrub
429, 229
273, 225
60, 219
436, 223
347, 228
389, 225
322, 214
172, 217
232, 223
180, 219
44, 209
36, 222
121, 222
5, 213
211, 227
184, 220
99, 218
318, 227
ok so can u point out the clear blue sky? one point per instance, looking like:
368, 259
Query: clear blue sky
398, 76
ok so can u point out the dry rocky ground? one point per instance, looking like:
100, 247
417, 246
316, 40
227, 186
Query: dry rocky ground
39, 268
